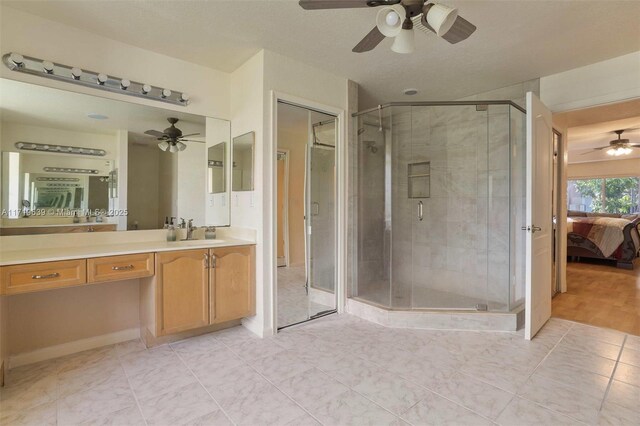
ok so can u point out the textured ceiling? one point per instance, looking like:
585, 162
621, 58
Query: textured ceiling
515, 40
594, 127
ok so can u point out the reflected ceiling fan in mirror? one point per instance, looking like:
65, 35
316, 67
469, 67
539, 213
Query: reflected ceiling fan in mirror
617, 147
171, 138
398, 18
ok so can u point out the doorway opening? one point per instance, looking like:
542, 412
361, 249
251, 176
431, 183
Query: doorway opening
601, 190
306, 214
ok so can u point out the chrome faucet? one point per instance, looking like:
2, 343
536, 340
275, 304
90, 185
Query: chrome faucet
190, 229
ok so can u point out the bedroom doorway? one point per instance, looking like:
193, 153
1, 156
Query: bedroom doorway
600, 191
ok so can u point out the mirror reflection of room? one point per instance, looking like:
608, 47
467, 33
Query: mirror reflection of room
305, 200
105, 165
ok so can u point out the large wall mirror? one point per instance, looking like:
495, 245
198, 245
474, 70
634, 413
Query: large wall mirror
75, 159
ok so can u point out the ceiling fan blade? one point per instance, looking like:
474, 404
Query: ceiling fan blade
461, 29
370, 41
154, 133
332, 4
190, 134
191, 140
635, 145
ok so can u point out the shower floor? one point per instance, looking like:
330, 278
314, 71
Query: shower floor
377, 292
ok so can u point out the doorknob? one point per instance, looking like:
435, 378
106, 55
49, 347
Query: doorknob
532, 228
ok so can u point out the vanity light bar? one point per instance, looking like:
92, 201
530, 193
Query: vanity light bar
27, 64
62, 149
57, 179
70, 170
63, 185
215, 163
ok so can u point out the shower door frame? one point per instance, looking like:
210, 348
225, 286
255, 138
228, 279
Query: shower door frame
271, 149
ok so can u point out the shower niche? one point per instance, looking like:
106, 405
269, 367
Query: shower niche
437, 207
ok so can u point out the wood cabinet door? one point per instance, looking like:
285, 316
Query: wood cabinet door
183, 290
233, 283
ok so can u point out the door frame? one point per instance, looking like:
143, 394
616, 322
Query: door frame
341, 198
285, 207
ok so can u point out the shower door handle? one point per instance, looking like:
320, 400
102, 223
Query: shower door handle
420, 211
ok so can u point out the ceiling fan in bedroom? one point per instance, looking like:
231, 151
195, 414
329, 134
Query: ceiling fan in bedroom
617, 147
399, 18
171, 138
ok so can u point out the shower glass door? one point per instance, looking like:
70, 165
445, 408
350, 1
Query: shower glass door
445, 181
321, 218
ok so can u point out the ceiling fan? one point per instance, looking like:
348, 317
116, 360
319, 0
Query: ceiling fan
398, 18
618, 146
171, 138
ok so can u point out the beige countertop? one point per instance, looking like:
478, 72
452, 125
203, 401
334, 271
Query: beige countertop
17, 257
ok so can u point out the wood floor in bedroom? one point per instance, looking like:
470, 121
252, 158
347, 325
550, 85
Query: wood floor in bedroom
602, 295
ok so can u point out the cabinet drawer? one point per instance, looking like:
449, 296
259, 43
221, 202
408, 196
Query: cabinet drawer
43, 276
114, 268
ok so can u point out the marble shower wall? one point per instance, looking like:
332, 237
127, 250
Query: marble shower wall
460, 254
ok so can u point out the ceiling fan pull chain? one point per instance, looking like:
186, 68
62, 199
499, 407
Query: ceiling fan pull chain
380, 118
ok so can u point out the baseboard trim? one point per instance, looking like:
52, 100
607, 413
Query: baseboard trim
68, 348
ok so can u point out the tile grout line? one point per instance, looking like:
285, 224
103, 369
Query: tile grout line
135, 397
200, 383
273, 384
613, 373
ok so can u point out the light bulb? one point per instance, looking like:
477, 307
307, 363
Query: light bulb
102, 79
124, 84
173, 148
47, 66
17, 59
166, 93
392, 19
628, 150
76, 73
164, 145
184, 97
146, 89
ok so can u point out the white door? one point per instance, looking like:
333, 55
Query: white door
539, 228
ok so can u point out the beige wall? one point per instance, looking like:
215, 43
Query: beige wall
63, 316
612, 168
144, 172
295, 141
48, 318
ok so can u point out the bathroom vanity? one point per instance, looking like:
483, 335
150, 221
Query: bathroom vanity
184, 285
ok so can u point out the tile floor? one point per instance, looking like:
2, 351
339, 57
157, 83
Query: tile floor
294, 305
340, 370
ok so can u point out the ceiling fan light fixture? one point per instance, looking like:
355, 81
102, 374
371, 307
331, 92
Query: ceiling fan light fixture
441, 18
164, 145
404, 42
181, 146
389, 20
173, 148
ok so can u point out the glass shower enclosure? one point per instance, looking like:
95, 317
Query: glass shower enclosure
439, 192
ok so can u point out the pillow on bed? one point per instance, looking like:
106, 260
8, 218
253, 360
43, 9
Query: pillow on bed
576, 213
615, 215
